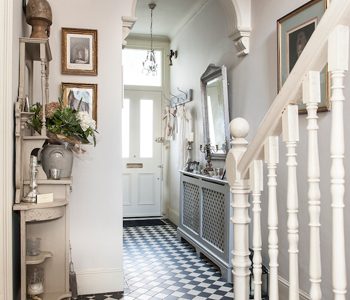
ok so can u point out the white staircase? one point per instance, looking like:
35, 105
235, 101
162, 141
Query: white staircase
244, 164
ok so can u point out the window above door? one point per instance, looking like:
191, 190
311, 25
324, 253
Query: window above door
133, 69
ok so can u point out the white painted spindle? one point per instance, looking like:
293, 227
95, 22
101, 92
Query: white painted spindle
272, 159
43, 60
240, 189
311, 97
338, 60
256, 177
290, 121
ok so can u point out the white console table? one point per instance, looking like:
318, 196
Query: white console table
205, 214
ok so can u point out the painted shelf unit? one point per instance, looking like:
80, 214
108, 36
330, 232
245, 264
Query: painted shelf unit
205, 214
48, 221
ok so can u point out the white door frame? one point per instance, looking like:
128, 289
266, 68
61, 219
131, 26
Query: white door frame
6, 148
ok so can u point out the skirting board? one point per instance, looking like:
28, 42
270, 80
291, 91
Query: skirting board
98, 281
284, 290
174, 216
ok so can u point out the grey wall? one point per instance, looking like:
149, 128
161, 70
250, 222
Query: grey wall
202, 42
253, 86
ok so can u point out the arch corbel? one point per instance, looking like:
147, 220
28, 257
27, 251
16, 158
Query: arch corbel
128, 24
238, 13
129, 21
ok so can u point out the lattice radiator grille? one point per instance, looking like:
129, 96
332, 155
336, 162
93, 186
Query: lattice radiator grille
191, 209
213, 218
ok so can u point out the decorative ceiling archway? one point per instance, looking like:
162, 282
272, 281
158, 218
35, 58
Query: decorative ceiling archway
238, 15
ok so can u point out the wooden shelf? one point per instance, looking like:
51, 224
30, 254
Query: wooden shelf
38, 259
34, 137
62, 181
33, 48
29, 206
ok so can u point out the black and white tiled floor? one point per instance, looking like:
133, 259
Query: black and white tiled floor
158, 266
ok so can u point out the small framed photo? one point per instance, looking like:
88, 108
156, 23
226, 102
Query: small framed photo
73, 93
293, 32
79, 51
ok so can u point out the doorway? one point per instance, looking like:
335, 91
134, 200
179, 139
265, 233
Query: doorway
142, 155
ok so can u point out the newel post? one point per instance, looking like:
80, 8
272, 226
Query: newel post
240, 189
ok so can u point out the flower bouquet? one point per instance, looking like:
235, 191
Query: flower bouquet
64, 125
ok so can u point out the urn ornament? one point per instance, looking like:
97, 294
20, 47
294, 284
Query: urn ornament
39, 16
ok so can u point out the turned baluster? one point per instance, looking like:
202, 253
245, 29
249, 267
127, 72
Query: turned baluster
272, 159
311, 97
256, 176
338, 60
290, 123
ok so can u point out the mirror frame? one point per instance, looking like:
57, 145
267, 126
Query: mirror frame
211, 73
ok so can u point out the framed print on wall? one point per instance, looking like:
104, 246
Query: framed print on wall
293, 32
79, 51
86, 92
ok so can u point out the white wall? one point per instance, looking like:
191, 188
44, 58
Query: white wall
204, 40
96, 200
253, 86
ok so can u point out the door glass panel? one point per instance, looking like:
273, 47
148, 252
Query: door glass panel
126, 128
146, 128
133, 69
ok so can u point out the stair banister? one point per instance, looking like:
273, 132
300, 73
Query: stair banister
313, 57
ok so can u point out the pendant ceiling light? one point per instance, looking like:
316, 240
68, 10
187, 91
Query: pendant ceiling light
150, 65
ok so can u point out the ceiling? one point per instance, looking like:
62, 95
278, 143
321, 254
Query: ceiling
169, 16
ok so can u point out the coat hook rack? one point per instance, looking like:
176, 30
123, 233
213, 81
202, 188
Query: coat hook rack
182, 98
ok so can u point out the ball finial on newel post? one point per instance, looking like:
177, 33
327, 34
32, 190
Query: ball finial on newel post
239, 128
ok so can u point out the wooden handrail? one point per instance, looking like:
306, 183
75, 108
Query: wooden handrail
313, 57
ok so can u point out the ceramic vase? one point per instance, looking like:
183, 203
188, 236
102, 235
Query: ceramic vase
57, 157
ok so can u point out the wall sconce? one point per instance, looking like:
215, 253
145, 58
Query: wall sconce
172, 54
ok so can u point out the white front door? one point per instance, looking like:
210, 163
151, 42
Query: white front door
142, 157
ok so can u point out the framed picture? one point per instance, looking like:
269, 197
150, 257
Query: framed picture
73, 93
293, 32
79, 51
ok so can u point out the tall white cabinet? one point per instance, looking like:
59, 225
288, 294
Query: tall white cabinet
47, 221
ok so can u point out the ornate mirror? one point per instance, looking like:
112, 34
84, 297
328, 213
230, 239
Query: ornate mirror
215, 110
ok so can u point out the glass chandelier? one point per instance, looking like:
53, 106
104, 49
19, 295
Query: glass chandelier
150, 65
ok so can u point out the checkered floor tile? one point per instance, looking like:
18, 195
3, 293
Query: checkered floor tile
158, 266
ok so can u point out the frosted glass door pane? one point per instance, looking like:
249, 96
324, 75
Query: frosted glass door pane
126, 128
146, 128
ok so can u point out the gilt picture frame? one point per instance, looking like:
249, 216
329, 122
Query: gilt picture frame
73, 93
79, 51
293, 32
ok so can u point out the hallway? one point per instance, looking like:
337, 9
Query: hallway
158, 266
